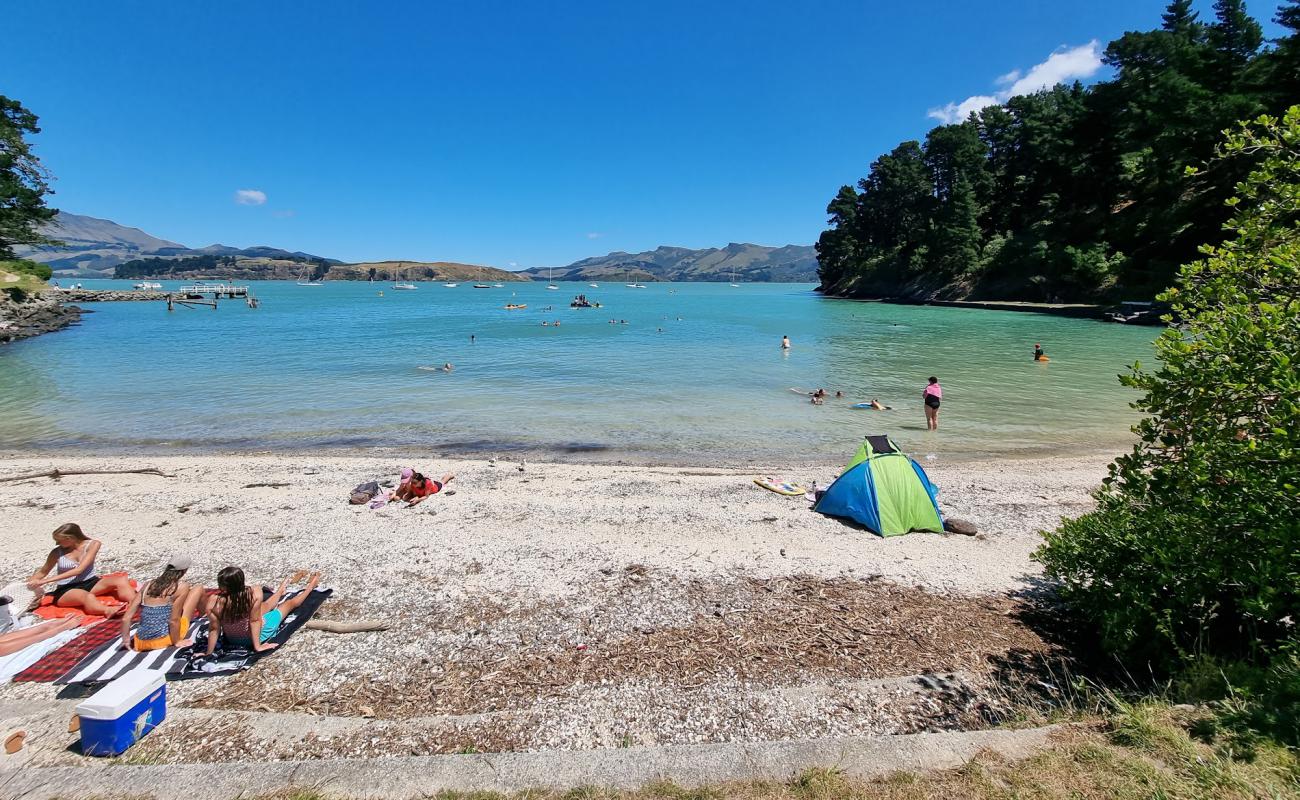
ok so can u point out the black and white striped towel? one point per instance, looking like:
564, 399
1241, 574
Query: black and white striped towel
111, 661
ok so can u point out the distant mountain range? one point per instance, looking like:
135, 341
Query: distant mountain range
96, 248
792, 263
93, 247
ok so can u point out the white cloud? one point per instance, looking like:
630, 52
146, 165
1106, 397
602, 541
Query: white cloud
250, 197
594, 235
1064, 65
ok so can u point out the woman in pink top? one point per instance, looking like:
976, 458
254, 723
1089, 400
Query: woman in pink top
931, 396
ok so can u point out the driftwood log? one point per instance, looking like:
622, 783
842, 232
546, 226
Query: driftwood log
360, 626
276, 485
59, 473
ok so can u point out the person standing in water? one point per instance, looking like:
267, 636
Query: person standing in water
1039, 355
785, 342
932, 396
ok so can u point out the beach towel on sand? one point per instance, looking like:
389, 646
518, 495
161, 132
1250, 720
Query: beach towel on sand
110, 661
54, 664
47, 610
15, 663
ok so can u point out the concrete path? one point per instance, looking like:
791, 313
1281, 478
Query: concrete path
415, 777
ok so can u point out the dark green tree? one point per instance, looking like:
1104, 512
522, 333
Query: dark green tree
1179, 18
1234, 34
1195, 545
24, 182
837, 246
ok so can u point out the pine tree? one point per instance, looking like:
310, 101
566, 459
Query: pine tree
1180, 19
1235, 34
24, 182
836, 247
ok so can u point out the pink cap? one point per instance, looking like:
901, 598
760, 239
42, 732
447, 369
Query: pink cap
407, 473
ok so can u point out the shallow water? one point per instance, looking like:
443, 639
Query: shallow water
697, 375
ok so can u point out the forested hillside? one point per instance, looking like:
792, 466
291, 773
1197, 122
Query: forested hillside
1074, 193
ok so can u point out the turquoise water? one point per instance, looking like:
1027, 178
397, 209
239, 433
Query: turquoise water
697, 375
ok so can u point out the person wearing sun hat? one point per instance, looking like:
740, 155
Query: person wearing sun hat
166, 605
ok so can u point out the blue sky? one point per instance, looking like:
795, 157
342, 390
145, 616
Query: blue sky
510, 133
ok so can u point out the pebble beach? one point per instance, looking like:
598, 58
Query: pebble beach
561, 606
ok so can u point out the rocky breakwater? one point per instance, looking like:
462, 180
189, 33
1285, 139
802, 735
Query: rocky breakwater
25, 315
106, 295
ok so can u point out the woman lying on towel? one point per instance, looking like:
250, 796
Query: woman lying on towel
13, 641
243, 619
166, 605
75, 584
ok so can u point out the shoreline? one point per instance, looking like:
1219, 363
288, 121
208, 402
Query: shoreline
576, 455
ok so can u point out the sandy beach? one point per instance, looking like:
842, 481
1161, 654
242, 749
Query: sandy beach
563, 606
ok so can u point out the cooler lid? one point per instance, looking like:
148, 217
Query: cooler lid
119, 696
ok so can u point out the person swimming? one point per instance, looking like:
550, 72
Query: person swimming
785, 342
1039, 355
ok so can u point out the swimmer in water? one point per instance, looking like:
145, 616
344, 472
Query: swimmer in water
447, 367
1039, 355
785, 342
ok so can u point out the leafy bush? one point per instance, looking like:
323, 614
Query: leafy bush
25, 267
1195, 544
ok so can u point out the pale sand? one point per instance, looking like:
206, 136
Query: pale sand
519, 561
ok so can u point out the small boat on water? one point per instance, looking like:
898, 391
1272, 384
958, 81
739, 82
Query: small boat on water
581, 301
451, 285
402, 285
305, 279
550, 284
498, 286
594, 285
147, 285
515, 306
481, 286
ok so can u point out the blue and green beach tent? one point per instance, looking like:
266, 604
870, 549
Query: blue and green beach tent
885, 490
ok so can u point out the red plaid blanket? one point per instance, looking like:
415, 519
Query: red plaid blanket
57, 662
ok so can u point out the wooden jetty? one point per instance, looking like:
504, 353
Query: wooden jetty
201, 291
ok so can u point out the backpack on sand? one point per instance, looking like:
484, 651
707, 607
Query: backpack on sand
364, 493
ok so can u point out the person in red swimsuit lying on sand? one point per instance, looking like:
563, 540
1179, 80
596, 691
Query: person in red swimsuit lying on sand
416, 490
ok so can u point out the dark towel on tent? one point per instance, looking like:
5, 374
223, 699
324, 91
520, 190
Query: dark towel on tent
56, 663
109, 661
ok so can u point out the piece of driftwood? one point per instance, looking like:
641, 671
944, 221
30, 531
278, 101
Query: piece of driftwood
266, 485
360, 626
60, 473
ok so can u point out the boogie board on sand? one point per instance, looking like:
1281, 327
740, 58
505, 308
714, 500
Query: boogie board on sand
781, 487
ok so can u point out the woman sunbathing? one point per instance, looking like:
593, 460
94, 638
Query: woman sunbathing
74, 580
243, 619
13, 641
167, 604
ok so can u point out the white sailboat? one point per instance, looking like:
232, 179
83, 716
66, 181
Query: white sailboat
550, 284
734, 285
634, 284
398, 284
594, 285
451, 285
304, 278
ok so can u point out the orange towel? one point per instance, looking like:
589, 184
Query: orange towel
47, 610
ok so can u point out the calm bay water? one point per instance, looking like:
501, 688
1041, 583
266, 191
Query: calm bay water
697, 375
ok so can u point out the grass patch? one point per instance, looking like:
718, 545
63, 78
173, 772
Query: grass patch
1147, 749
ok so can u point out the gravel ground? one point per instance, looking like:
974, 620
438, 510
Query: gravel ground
562, 606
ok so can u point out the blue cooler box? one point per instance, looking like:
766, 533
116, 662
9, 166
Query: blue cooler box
117, 716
